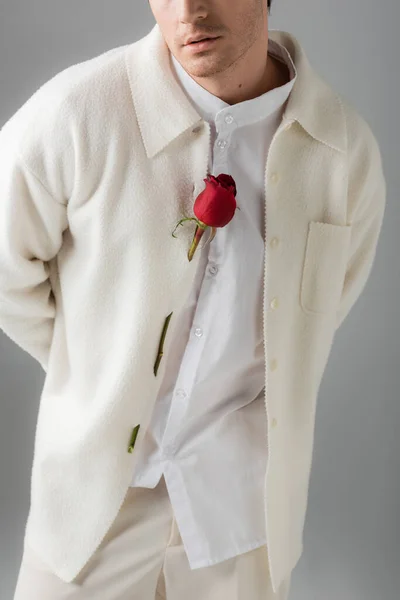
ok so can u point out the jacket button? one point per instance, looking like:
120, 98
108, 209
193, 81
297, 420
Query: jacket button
274, 303
274, 177
274, 422
274, 242
133, 438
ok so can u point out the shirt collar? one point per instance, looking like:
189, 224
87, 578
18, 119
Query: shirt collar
249, 111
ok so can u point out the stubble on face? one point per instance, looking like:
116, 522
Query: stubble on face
245, 29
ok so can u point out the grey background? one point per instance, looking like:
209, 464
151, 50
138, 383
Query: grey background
352, 549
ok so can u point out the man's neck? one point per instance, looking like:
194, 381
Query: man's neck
281, 73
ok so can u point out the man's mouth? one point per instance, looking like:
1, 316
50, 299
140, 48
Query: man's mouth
203, 40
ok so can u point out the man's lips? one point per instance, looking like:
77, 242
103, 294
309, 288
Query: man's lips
197, 39
204, 44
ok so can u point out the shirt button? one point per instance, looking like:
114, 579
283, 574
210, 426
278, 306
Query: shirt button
274, 423
274, 303
198, 331
213, 270
180, 393
274, 177
274, 242
228, 119
273, 364
222, 143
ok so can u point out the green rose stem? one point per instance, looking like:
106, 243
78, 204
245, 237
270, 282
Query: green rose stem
198, 234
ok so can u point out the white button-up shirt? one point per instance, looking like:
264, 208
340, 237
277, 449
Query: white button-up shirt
208, 430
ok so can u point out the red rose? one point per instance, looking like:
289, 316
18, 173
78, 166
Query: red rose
216, 204
214, 207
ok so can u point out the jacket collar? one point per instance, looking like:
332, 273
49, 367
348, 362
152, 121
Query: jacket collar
164, 111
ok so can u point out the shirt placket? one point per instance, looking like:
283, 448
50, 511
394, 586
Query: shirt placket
205, 307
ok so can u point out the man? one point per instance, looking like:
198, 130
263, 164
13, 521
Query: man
175, 432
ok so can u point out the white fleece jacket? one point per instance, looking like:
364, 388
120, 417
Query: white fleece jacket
97, 167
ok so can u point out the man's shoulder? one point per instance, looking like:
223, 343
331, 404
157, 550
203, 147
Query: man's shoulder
84, 73
344, 122
361, 140
357, 129
61, 100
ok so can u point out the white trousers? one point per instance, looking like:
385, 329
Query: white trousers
142, 557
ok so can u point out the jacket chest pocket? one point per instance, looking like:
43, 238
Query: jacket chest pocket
324, 268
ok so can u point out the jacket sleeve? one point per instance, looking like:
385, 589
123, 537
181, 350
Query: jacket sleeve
366, 202
31, 226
